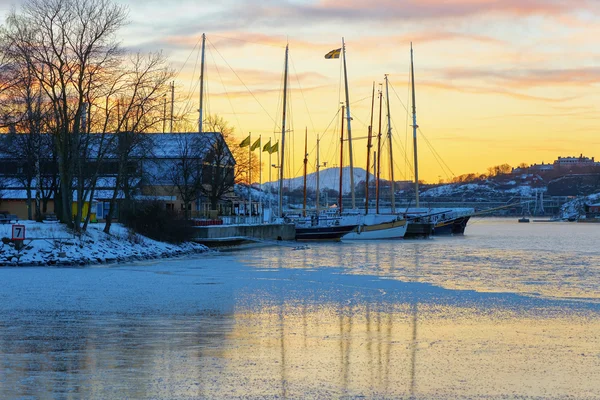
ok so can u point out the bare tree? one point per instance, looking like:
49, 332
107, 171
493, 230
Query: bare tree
215, 123
24, 102
139, 92
218, 170
184, 172
67, 44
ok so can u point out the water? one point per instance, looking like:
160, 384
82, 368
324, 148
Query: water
510, 310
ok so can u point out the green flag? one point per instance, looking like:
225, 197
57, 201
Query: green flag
255, 145
267, 146
275, 148
245, 142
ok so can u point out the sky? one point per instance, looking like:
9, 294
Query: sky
497, 81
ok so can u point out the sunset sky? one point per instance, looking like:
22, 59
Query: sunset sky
497, 81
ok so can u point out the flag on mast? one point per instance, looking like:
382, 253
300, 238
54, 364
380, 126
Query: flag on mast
334, 53
275, 148
255, 145
245, 142
267, 146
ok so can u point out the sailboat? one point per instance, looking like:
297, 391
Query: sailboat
319, 226
430, 220
377, 226
314, 228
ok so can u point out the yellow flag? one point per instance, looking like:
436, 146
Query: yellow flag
334, 53
245, 142
275, 148
255, 145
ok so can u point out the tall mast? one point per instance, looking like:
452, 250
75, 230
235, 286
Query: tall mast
172, 104
200, 120
164, 113
341, 161
369, 152
250, 175
389, 117
305, 164
318, 168
348, 119
415, 126
282, 159
377, 182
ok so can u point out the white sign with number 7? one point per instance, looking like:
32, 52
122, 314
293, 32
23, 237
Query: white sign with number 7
18, 232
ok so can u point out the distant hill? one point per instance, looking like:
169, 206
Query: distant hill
329, 179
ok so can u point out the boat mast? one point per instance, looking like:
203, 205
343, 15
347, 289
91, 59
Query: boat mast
282, 159
318, 167
172, 105
389, 117
348, 119
305, 164
341, 161
377, 182
201, 86
415, 127
369, 152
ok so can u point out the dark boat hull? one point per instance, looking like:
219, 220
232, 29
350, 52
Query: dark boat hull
330, 233
454, 226
418, 230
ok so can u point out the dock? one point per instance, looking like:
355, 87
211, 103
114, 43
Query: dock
231, 235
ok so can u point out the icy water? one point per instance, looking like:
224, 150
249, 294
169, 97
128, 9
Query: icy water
507, 311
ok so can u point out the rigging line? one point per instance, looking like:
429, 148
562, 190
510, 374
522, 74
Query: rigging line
187, 59
399, 142
360, 100
403, 147
248, 41
227, 94
302, 93
194, 75
407, 121
242, 82
435, 152
422, 134
277, 127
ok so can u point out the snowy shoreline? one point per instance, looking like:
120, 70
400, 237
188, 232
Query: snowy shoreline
51, 244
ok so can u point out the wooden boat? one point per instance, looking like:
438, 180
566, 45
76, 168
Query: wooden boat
395, 229
329, 233
449, 224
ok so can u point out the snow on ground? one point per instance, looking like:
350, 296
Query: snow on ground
575, 208
54, 244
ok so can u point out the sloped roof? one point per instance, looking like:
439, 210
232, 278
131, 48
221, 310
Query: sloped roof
155, 145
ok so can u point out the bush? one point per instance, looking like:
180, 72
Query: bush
151, 219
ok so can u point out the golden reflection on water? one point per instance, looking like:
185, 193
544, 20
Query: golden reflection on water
414, 350
453, 264
317, 351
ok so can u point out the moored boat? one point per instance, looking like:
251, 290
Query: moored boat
395, 229
454, 226
330, 233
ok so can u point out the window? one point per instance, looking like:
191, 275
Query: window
170, 206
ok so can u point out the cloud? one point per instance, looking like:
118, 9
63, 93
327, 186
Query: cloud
436, 9
493, 91
528, 78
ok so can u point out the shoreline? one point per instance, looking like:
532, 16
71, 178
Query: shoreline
52, 245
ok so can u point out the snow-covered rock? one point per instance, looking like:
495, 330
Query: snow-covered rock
576, 208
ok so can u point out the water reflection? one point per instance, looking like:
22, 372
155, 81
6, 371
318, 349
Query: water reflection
547, 260
373, 320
